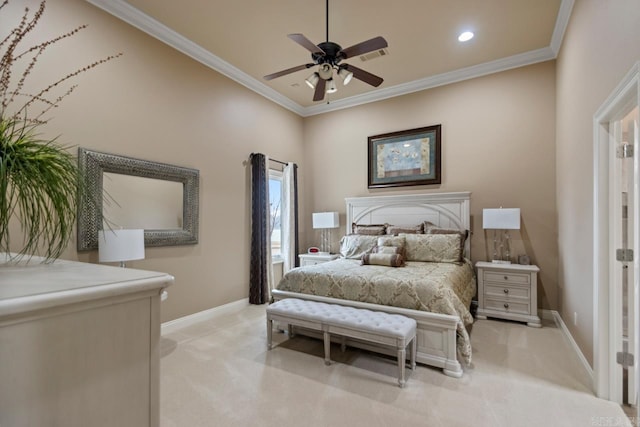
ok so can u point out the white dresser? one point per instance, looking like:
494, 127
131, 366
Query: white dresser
313, 259
79, 344
508, 291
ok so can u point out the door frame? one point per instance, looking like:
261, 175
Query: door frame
627, 93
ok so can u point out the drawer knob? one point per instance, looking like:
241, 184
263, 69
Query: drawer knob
506, 278
506, 305
506, 291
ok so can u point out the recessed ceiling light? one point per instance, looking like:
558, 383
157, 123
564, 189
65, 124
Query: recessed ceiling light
466, 36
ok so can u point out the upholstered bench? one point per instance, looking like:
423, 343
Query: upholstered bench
373, 326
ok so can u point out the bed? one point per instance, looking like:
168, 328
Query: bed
436, 294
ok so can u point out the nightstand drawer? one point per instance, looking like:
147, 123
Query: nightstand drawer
506, 291
311, 262
504, 277
506, 306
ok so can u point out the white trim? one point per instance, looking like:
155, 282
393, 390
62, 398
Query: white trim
129, 14
499, 65
561, 25
621, 96
124, 11
555, 316
182, 322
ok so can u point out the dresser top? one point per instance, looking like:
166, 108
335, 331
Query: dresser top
29, 282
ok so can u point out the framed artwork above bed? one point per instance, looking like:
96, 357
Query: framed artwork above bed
408, 157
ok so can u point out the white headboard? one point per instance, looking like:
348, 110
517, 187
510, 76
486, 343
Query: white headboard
446, 210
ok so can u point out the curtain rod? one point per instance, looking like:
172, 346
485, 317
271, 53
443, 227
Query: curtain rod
271, 159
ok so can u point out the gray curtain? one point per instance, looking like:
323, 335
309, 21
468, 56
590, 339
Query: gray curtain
261, 271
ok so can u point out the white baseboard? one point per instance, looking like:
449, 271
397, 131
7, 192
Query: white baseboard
182, 322
555, 316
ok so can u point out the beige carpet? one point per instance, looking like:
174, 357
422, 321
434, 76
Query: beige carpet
219, 373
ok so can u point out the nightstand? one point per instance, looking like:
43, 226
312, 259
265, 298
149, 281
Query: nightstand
313, 259
508, 291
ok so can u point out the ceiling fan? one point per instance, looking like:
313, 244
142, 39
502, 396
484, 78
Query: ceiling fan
328, 55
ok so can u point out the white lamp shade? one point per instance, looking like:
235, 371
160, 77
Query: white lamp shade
120, 245
326, 220
501, 219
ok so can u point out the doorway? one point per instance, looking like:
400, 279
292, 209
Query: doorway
617, 245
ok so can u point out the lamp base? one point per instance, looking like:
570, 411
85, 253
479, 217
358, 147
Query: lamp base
500, 261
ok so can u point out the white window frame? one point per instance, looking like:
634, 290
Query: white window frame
277, 175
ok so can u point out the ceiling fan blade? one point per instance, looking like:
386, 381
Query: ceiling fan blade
319, 93
365, 76
364, 47
305, 43
288, 71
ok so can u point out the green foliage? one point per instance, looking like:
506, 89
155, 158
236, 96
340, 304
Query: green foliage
40, 181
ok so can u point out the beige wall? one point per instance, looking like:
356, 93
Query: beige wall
600, 46
155, 103
498, 135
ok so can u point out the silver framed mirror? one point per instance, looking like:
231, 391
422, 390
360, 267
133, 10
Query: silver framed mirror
98, 168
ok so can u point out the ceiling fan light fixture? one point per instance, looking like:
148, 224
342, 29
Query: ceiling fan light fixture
346, 75
331, 86
325, 72
312, 80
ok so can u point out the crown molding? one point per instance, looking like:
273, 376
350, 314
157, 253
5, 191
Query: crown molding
566, 6
134, 17
127, 13
503, 64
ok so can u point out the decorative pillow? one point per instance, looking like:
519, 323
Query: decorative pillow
388, 260
387, 250
368, 229
355, 245
392, 241
430, 228
394, 230
433, 247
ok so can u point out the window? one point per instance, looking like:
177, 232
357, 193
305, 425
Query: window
275, 207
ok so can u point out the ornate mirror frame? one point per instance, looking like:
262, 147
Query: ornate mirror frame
92, 166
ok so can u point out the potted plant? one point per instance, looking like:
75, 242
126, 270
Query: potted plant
39, 179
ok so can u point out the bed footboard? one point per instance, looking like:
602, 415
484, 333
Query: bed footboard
436, 333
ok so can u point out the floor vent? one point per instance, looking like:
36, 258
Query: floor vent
375, 54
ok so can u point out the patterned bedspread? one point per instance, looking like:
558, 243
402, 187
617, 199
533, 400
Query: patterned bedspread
427, 286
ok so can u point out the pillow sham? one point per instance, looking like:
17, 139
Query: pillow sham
433, 247
430, 228
394, 230
368, 229
353, 246
388, 260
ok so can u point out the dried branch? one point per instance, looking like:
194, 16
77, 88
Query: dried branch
12, 90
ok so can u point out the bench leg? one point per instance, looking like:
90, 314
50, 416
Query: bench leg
290, 330
327, 348
414, 348
343, 344
269, 332
402, 360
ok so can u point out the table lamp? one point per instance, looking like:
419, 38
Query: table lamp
326, 221
120, 245
501, 221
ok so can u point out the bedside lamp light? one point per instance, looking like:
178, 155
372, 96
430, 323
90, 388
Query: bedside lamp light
501, 221
326, 221
120, 245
